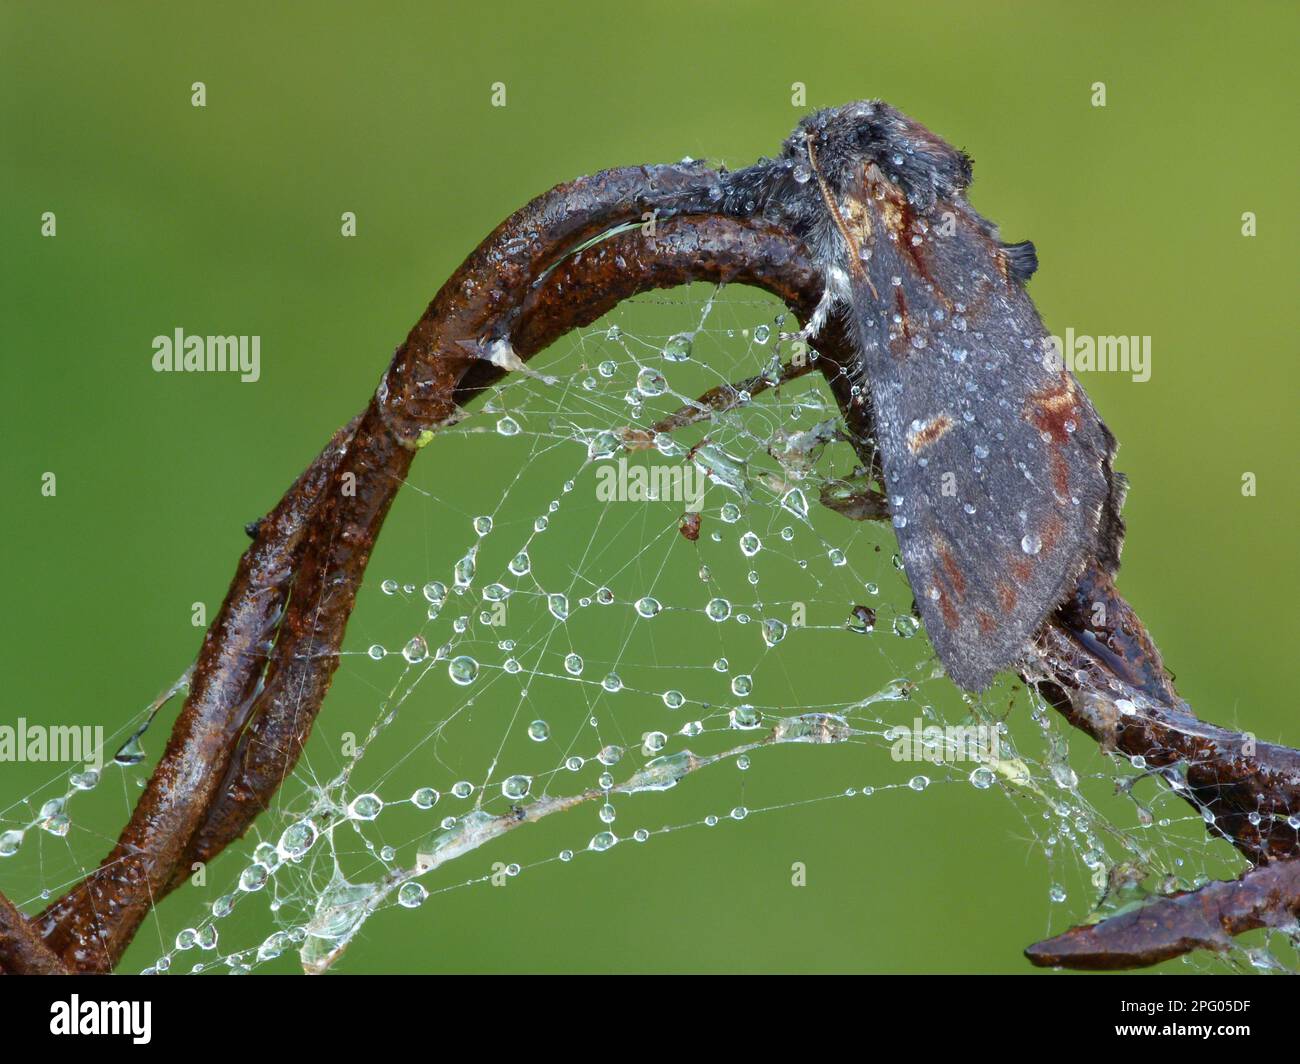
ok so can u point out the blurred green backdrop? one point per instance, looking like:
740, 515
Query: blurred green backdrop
226, 219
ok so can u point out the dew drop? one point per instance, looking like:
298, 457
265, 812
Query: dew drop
411, 895
463, 670
516, 787
365, 807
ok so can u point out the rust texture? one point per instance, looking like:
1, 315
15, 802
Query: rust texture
91, 924
25, 952
266, 665
1267, 896
1107, 679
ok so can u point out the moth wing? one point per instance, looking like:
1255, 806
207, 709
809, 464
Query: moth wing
997, 466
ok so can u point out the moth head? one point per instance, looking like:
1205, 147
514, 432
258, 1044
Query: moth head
838, 144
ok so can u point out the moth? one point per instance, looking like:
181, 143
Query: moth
996, 466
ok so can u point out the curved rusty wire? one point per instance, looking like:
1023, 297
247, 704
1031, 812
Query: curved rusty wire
252, 704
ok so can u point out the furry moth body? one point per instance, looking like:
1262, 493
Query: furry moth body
996, 465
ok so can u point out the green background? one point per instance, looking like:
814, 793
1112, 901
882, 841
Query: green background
226, 220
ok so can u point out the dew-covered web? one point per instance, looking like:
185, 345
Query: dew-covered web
579, 634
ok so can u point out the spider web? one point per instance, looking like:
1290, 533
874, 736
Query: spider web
579, 635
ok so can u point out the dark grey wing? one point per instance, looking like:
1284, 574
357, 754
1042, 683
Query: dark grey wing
997, 466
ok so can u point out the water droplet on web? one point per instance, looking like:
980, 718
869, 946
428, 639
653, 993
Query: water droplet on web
130, 752
653, 742
483, 525
416, 650
253, 878
612, 683
648, 607
743, 762
365, 807
464, 571
604, 841
411, 895
516, 787
57, 825
717, 609
462, 789
862, 619
919, 783
773, 631
1031, 544
1057, 893
730, 513
796, 502
674, 699
508, 426
678, 348
559, 606
650, 382
745, 718
389, 587
463, 670
425, 798
982, 778
296, 840
906, 626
